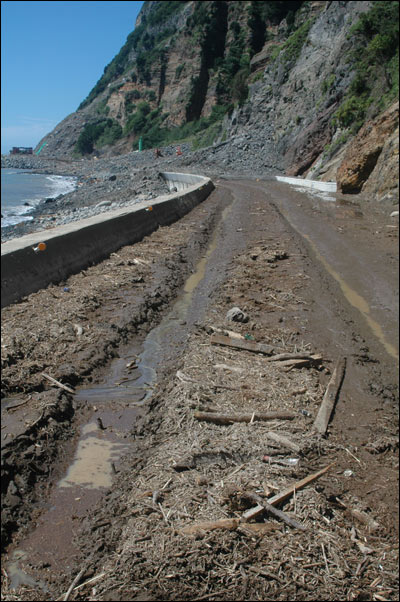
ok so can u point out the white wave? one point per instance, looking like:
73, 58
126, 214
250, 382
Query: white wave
19, 211
61, 184
16, 215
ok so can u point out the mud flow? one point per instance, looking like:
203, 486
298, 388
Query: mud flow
112, 407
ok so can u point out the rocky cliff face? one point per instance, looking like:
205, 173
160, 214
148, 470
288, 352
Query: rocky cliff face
372, 157
291, 78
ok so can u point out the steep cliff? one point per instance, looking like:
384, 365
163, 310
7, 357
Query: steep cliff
298, 78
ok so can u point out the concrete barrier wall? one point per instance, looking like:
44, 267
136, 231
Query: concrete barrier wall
75, 246
180, 181
314, 184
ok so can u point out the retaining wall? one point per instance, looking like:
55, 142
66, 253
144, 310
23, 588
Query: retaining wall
75, 246
314, 184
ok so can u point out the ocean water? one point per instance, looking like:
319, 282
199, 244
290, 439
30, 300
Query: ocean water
22, 190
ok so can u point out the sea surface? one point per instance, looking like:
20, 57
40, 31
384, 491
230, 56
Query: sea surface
22, 190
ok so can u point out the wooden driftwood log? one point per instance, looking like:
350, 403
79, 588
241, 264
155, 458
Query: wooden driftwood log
219, 339
255, 416
283, 441
230, 524
328, 403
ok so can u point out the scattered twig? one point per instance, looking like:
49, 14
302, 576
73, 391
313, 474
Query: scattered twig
360, 516
211, 595
286, 493
18, 405
274, 511
227, 367
74, 583
89, 581
264, 573
325, 560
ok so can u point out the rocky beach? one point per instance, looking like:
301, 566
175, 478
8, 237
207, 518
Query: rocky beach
105, 183
101, 185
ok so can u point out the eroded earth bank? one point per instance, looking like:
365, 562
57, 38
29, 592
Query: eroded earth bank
141, 484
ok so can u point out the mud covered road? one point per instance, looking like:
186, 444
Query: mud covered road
121, 490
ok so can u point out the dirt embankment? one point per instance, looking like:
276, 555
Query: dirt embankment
172, 527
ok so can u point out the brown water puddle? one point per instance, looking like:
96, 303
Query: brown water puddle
115, 404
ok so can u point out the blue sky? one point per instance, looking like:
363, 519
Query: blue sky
52, 54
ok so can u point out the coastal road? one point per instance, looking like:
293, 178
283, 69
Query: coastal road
357, 248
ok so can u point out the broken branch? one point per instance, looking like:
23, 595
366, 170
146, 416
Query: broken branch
230, 524
286, 493
229, 333
56, 382
290, 356
311, 360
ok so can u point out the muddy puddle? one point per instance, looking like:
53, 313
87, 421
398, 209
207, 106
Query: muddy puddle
112, 407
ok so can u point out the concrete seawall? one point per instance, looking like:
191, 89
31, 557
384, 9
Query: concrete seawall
75, 246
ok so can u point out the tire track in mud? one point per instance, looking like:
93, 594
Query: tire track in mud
103, 436
29, 453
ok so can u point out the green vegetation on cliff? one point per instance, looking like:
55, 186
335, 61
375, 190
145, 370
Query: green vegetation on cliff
262, 13
224, 48
99, 133
220, 39
375, 55
140, 49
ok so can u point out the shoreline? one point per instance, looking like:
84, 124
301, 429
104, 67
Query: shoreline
101, 185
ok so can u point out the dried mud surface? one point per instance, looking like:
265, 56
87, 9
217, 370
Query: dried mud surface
155, 535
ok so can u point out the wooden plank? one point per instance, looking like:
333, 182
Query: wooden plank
289, 356
328, 403
255, 416
219, 339
286, 493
